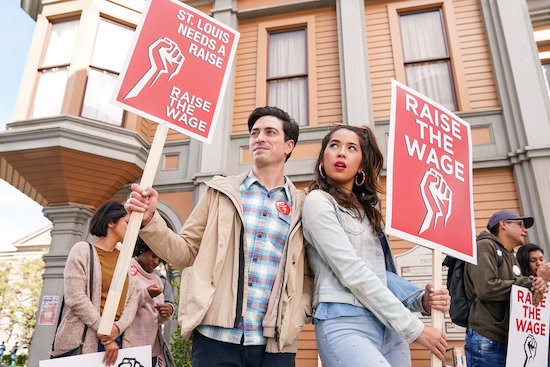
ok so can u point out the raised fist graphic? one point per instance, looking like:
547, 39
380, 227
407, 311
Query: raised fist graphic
129, 362
437, 197
165, 57
530, 349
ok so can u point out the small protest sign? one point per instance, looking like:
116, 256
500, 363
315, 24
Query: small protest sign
528, 331
48, 310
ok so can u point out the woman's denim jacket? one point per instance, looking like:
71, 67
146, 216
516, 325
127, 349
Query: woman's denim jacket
349, 265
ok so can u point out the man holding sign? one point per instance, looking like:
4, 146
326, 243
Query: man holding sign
490, 285
246, 291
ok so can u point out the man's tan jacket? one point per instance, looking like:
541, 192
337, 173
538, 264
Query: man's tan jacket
211, 248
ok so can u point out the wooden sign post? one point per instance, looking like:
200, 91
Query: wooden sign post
437, 316
130, 237
178, 80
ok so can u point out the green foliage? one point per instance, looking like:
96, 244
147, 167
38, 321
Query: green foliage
20, 287
180, 348
20, 359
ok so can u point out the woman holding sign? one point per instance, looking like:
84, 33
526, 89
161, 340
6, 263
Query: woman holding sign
92, 266
530, 257
362, 310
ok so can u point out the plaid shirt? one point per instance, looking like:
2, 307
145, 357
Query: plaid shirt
266, 226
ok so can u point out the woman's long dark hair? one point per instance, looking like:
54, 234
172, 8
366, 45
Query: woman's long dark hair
366, 195
523, 257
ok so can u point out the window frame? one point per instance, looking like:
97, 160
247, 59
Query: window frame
42, 68
546, 79
458, 80
281, 25
102, 69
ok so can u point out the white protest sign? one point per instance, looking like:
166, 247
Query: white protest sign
528, 331
128, 357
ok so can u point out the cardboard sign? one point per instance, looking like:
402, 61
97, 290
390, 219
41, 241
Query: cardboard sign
429, 175
528, 332
128, 357
178, 68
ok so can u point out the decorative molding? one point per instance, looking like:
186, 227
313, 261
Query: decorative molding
264, 11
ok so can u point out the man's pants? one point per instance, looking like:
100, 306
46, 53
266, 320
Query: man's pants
484, 352
209, 352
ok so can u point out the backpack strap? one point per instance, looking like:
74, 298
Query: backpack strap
498, 250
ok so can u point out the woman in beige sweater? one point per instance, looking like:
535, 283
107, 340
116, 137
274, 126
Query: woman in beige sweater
109, 226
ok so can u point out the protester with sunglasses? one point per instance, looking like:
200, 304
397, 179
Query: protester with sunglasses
491, 284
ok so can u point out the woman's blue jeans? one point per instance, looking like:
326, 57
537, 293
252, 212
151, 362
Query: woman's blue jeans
484, 352
360, 341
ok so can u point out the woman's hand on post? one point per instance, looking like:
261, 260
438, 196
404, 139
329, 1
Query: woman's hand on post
436, 299
111, 346
435, 340
111, 353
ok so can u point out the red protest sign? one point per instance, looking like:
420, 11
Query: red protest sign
178, 68
175, 76
429, 175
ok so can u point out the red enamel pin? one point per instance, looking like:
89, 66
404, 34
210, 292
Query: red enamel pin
282, 207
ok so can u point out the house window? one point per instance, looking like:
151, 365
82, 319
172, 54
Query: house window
287, 73
546, 73
54, 69
426, 56
111, 47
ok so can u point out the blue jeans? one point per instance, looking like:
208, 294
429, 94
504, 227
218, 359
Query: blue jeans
484, 352
360, 341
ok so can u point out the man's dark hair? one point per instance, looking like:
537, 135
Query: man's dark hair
291, 128
110, 212
495, 229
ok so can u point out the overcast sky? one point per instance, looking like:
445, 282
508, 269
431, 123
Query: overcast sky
19, 215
